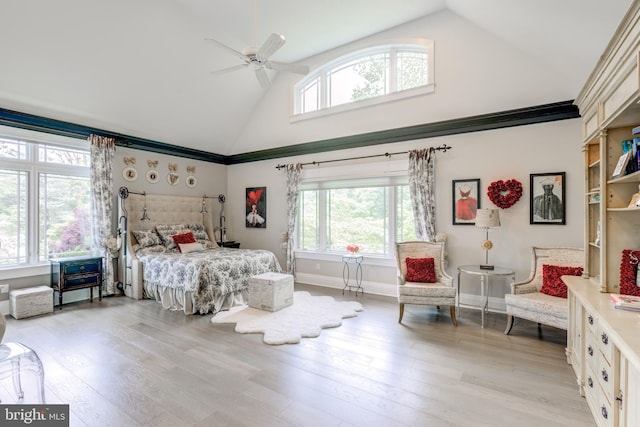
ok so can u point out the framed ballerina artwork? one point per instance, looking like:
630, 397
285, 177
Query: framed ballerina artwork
466, 201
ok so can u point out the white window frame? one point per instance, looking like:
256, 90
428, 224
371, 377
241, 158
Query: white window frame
393, 47
34, 168
396, 169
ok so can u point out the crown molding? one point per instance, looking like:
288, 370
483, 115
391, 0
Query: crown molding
519, 117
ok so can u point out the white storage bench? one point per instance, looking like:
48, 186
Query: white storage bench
271, 291
30, 302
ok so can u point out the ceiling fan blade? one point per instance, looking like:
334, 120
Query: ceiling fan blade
263, 77
227, 48
294, 68
229, 69
270, 46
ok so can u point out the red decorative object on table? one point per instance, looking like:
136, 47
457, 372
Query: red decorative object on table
628, 272
353, 249
505, 194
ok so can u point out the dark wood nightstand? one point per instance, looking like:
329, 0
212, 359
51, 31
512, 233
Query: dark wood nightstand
70, 274
229, 244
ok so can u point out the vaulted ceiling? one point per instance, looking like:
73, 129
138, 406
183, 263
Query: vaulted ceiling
142, 67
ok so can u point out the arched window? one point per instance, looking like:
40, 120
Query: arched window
368, 76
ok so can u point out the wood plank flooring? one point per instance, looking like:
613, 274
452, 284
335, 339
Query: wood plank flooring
124, 363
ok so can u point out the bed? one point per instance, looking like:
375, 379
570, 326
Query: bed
207, 279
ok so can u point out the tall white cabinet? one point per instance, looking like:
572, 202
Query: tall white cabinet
603, 343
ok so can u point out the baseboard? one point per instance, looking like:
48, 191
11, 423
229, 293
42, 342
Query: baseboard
377, 288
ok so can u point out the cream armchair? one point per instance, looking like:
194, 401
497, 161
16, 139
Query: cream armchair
527, 302
442, 292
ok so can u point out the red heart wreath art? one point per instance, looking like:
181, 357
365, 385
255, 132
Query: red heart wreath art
505, 194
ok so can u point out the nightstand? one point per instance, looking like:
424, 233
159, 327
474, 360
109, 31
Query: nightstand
229, 244
70, 274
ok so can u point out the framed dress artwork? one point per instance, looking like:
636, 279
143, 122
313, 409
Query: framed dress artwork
466, 201
547, 204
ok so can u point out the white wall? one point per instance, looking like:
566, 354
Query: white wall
475, 73
510, 153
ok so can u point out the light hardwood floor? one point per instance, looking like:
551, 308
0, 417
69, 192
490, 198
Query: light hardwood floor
123, 363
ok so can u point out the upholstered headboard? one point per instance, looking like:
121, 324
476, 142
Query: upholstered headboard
160, 210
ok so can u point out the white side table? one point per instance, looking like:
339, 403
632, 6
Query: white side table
485, 275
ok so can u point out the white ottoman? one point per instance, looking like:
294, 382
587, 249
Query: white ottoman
30, 302
271, 291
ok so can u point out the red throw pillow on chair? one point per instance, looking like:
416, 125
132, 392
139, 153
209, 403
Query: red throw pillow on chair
183, 238
421, 270
552, 284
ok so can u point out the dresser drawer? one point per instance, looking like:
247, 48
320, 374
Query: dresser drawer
592, 351
600, 407
605, 344
590, 322
81, 280
82, 267
606, 378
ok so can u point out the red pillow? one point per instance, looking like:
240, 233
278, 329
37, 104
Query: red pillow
421, 270
183, 238
552, 284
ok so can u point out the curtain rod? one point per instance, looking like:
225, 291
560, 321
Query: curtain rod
443, 148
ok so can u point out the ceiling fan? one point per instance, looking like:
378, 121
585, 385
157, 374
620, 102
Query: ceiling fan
258, 59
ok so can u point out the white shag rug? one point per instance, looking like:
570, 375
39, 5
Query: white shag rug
304, 319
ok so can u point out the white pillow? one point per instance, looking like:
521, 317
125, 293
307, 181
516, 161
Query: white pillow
185, 248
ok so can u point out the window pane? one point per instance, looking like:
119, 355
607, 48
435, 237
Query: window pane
361, 79
412, 70
63, 156
358, 216
405, 224
309, 232
64, 226
12, 149
310, 97
13, 217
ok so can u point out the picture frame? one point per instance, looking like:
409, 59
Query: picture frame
466, 200
191, 181
547, 198
153, 176
256, 207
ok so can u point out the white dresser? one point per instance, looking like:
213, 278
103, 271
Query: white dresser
603, 347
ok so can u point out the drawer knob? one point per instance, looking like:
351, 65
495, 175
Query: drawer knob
605, 375
605, 338
590, 319
590, 351
82, 267
590, 382
605, 414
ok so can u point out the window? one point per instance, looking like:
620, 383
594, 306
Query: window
371, 75
372, 213
44, 201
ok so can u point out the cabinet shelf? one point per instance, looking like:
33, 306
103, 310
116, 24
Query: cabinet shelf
594, 164
633, 177
623, 209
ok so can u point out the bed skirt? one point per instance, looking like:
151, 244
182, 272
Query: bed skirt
179, 299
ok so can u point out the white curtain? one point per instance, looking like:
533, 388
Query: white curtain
102, 153
293, 190
421, 189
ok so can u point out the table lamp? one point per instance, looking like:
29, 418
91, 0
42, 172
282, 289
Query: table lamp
487, 218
